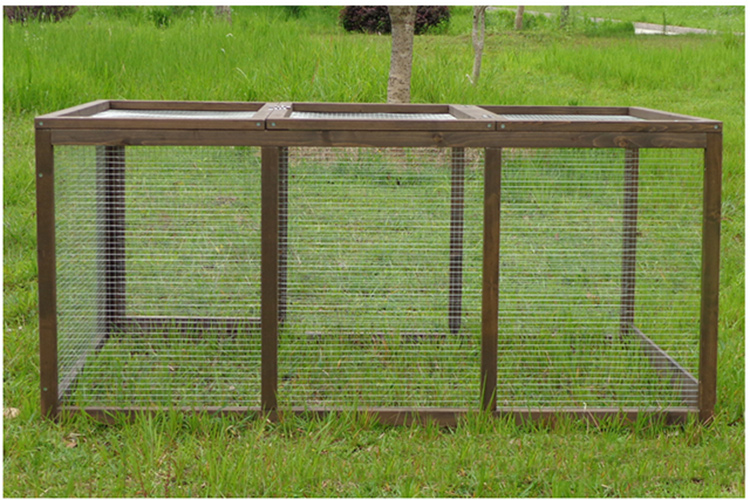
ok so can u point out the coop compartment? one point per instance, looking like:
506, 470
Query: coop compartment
411, 261
158, 265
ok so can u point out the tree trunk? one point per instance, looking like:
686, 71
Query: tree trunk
477, 39
519, 18
402, 47
564, 14
224, 12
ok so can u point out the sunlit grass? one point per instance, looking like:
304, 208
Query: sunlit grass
268, 55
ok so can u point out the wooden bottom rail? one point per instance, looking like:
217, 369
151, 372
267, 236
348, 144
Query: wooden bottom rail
444, 417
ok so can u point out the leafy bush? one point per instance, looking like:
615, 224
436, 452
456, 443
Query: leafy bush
162, 16
23, 13
375, 19
506, 20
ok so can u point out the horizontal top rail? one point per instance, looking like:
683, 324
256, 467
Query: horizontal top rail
365, 118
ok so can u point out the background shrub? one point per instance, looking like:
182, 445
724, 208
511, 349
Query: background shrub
375, 19
23, 13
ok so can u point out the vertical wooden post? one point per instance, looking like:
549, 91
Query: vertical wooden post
710, 252
629, 241
490, 276
110, 176
455, 287
269, 275
45, 208
283, 224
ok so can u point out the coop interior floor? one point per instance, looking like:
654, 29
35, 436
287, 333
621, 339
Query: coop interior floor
167, 369
368, 281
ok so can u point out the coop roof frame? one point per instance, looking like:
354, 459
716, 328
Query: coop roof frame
472, 126
272, 127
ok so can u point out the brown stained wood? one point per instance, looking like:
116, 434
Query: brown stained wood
188, 105
84, 116
557, 110
470, 112
87, 109
283, 229
269, 279
653, 114
455, 272
375, 124
444, 417
490, 276
154, 123
466, 119
710, 265
650, 126
46, 261
349, 138
629, 241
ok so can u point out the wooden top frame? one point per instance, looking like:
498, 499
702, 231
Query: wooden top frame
175, 115
596, 119
378, 125
349, 116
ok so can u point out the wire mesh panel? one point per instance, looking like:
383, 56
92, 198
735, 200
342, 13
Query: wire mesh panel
383, 278
578, 328
158, 272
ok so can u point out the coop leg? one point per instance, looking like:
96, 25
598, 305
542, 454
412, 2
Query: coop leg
269, 275
490, 276
709, 322
630, 223
45, 209
456, 240
110, 165
283, 233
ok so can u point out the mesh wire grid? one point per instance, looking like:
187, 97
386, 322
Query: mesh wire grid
183, 311
176, 113
369, 238
561, 278
368, 279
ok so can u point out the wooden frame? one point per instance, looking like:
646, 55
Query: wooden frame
273, 127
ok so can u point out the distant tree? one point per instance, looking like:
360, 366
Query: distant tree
564, 14
23, 13
224, 12
402, 48
519, 17
477, 39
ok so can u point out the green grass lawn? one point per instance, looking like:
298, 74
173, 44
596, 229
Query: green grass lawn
271, 54
722, 18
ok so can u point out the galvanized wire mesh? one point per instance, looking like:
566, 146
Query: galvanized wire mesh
177, 114
562, 341
381, 277
177, 323
369, 239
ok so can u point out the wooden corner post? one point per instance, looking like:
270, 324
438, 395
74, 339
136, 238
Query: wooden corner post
45, 209
710, 251
490, 276
269, 275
